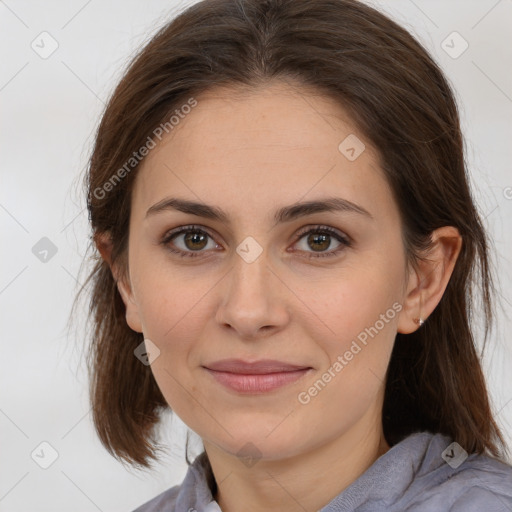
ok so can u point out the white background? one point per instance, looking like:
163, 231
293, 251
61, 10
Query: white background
50, 108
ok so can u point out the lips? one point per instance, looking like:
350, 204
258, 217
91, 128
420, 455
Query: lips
253, 368
255, 377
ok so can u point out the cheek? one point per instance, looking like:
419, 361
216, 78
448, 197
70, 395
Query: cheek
363, 316
361, 310
163, 294
174, 307
170, 310
357, 300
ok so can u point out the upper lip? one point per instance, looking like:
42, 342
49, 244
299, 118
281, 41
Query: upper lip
256, 367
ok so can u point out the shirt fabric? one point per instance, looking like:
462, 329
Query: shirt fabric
424, 472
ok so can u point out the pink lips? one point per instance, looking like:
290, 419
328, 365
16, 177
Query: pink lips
256, 377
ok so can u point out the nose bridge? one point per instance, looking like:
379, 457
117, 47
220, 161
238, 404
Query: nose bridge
250, 268
250, 301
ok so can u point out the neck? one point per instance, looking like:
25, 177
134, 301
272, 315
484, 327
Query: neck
307, 481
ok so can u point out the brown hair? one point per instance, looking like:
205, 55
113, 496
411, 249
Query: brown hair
402, 103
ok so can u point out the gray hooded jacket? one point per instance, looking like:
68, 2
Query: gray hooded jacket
424, 472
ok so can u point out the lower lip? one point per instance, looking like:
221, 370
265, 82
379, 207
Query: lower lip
253, 383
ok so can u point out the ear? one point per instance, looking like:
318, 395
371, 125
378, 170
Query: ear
104, 244
428, 281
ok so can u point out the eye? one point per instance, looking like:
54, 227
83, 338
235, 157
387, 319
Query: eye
320, 238
194, 239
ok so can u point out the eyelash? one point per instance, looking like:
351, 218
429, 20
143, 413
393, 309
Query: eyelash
345, 241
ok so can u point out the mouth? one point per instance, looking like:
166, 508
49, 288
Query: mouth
255, 377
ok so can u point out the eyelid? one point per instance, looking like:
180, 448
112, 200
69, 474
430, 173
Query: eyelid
321, 227
168, 235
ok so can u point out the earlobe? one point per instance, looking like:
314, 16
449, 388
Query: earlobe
103, 242
132, 311
428, 282
412, 304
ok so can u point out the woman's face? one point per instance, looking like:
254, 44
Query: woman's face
263, 285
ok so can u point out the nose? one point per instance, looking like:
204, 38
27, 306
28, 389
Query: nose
254, 299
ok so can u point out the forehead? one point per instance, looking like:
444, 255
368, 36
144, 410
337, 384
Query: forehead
256, 149
272, 115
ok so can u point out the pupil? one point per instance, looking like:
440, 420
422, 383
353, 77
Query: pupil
195, 238
313, 238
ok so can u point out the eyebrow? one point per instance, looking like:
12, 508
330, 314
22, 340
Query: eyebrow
284, 214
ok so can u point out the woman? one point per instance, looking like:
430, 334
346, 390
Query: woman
288, 246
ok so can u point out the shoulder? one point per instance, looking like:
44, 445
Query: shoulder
478, 499
164, 502
474, 483
483, 483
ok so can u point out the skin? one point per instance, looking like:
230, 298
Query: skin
250, 153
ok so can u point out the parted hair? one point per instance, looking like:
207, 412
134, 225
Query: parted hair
401, 102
